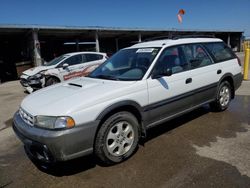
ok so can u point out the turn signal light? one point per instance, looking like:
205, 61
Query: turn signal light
70, 122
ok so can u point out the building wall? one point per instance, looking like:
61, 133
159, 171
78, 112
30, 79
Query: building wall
18, 45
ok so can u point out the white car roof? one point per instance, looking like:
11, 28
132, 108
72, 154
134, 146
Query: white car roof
88, 52
171, 42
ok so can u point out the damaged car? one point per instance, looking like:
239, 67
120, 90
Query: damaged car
62, 68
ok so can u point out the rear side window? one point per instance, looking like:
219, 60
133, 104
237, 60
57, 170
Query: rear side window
196, 56
73, 60
93, 57
220, 51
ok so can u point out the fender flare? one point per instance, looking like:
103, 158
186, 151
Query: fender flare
121, 104
226, 75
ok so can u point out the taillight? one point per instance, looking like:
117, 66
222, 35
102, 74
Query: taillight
239, 62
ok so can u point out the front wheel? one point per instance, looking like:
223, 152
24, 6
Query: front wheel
51, 81
223, 97
117, 139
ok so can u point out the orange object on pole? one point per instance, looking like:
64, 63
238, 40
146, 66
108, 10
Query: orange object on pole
179, 15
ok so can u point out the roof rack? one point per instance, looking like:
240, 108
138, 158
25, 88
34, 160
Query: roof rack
192, 36
157, 38
175, 37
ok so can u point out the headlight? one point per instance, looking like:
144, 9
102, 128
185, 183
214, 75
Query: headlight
52, 122
36, 76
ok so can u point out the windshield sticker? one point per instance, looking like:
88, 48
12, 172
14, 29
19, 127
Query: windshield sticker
155, 52
145, 50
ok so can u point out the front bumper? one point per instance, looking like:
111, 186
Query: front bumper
33, 83
56, 145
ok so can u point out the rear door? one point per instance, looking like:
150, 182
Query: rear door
204, 73
92, 62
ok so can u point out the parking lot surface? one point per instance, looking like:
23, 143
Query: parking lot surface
199, 149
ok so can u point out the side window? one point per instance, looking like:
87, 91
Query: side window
93, 57
172, 58
74, 60
220, 51
196, 56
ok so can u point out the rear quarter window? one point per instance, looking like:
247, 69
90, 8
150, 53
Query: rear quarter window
93, 57
219, 51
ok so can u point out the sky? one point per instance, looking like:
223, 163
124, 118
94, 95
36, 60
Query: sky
157, 14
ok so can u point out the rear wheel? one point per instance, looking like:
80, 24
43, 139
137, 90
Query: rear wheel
223, 97
117, 138
51, 81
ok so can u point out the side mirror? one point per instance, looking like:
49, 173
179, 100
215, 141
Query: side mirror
165, 72
65, 65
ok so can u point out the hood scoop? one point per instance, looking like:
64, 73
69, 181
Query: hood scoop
76, 85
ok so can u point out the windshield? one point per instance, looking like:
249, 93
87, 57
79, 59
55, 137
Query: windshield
56, 60
127, 64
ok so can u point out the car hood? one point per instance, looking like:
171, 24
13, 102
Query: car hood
74, 95
35, 70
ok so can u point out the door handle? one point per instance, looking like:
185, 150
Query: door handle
219, 71
188, 81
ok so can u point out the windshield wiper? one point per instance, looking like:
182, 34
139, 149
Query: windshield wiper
106, 77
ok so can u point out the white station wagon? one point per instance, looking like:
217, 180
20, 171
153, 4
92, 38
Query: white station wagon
139, 87
62, 68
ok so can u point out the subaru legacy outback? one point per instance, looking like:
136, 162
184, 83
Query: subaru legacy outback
139, 87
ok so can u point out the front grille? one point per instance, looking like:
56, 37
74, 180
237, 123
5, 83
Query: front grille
26, 117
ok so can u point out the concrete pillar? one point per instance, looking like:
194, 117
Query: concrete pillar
77, 45
36, 49
139, 37
116, 44
97, 47
170, 34
229, 40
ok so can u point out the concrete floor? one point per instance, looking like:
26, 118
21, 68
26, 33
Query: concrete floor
200, 149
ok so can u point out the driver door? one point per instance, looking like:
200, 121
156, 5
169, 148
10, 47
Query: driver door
169, 95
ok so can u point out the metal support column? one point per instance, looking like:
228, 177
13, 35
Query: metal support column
139, 37
116, 44
229, 40
77, 45
97, 47
36, 49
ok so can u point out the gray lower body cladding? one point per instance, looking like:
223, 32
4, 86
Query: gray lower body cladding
170, 108
237, 80
59, 145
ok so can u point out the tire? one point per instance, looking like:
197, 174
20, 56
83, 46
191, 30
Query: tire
223, 97
51, 81
117, 138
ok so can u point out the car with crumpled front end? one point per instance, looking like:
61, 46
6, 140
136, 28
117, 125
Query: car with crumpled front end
62, 68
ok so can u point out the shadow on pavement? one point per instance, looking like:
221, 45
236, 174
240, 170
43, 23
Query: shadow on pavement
168, 126
7, 123
66, 168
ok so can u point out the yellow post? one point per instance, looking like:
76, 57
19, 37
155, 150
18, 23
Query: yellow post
246, 63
